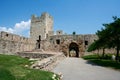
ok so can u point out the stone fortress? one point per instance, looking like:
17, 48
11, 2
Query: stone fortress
43, 38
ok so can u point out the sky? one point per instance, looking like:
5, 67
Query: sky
80, 16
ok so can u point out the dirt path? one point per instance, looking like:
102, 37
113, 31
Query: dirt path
79, 69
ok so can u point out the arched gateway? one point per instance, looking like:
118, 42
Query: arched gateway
73, 50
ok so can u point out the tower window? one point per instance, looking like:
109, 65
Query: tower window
86, 42
39, 37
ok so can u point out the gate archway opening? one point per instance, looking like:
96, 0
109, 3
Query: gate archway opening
73, 50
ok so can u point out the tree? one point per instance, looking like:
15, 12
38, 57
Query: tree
114, 35
109, 37
103, 39
74, 33
93, 46
97, 45
100, 43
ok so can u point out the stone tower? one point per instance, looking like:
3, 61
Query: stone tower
41, 26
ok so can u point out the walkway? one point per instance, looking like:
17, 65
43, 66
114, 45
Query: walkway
79, 69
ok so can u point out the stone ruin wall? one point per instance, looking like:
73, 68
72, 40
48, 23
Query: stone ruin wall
11, 43
108, 51
50, 44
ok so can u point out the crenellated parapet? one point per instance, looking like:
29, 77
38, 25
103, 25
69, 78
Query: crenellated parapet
12, 43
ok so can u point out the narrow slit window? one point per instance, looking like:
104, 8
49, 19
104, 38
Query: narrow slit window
86, 42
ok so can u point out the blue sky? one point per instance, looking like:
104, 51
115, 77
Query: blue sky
81, 16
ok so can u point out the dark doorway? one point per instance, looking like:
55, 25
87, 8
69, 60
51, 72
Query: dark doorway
86, 42
73, 50
58, 41
38, 42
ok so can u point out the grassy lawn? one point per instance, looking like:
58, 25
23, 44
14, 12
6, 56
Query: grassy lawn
13, 68
106, 62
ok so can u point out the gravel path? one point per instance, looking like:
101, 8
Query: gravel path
79, 69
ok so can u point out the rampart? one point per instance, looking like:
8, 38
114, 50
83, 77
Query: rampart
11, 43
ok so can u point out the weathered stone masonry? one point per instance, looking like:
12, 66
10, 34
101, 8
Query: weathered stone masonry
41, 26
11, 43
70, 43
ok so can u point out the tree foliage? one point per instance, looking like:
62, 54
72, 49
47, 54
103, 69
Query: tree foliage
95, 45
109, 37
74, 33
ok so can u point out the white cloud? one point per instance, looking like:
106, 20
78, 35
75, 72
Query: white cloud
21, 28
6, 29
23, 25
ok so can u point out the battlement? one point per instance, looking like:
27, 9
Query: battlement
14, 37
43, 17
12, 43
45, 14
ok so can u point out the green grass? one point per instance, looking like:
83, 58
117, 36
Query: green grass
89, 57
13, 68
106, 61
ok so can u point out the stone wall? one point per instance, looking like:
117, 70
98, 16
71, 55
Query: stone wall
62, 42
110, 51
34, 55
88, 37
49, 63
11, 43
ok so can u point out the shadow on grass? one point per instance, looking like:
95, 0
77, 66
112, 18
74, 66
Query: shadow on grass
104, 63
6, 74
91, 63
